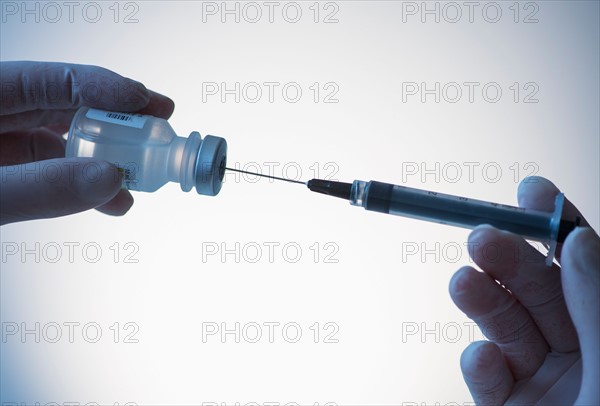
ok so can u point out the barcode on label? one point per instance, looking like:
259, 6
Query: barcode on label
117, 116
125, 119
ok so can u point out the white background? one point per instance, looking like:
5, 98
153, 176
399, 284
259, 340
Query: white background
371, 288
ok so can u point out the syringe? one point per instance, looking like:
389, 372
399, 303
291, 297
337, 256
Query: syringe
547, 227
459, 211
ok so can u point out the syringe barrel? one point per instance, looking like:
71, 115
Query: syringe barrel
454, 210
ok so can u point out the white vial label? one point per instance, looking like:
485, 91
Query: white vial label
126, 119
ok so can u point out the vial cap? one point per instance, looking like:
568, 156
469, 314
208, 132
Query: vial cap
210, 165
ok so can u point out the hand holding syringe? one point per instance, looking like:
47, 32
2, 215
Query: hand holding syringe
538, 338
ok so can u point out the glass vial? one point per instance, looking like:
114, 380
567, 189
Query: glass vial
147, 151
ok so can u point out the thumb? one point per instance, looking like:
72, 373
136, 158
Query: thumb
55, 187
580, 279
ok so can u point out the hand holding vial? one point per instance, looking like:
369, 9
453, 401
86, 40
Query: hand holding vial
38, 102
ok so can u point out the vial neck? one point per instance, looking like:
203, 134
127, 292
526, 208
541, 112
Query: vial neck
183, 165
176, 155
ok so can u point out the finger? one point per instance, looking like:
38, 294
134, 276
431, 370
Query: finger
581, 283
30, 86
509, 259
539, 194
27, 146
55, 187
486, 373
501, 318
42, 144
158, 106
35, 118
119, 205
60, 129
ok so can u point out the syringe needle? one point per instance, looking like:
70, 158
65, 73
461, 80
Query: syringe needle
266, 176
